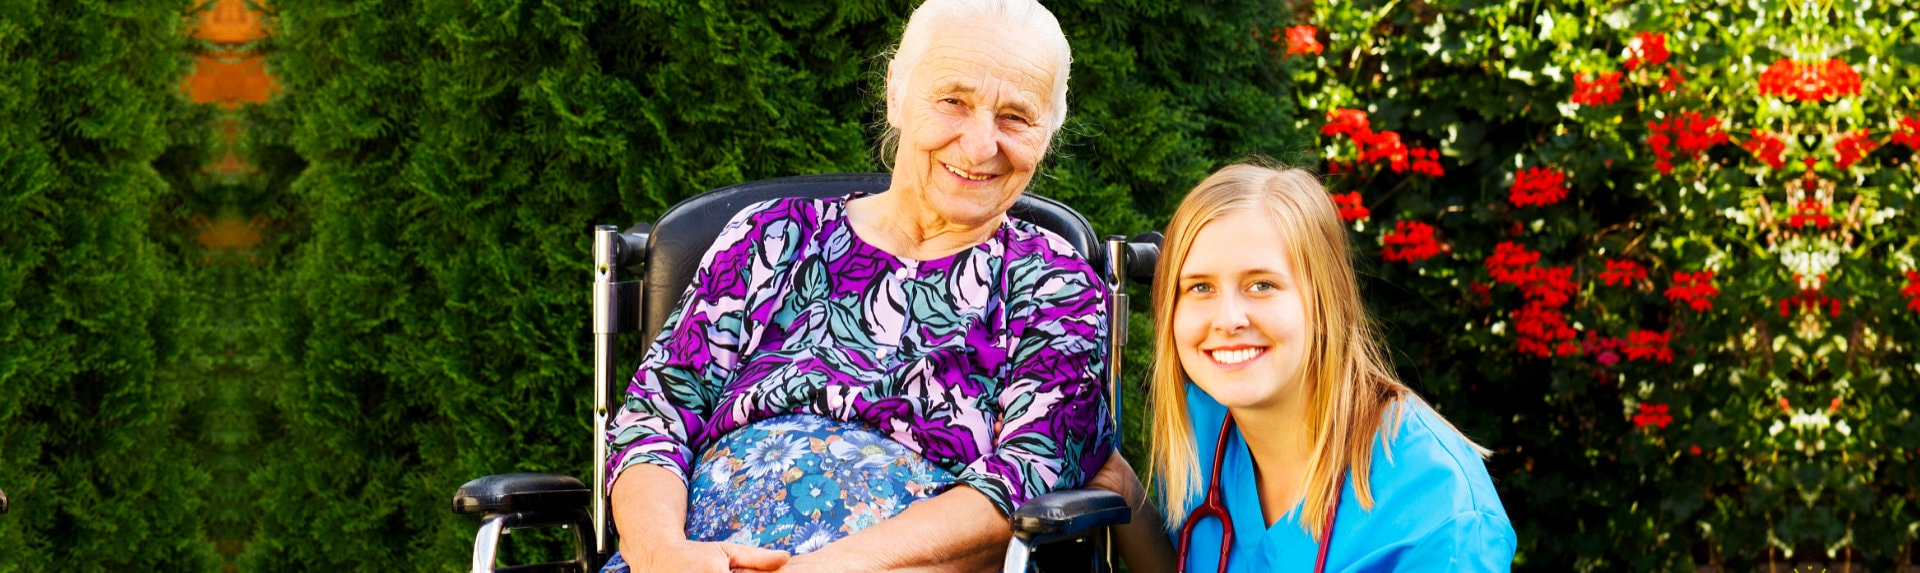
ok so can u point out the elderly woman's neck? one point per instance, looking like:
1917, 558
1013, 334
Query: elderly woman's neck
906, 229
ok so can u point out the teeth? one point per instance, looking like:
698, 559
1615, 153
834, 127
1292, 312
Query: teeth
951, 169
1235, 356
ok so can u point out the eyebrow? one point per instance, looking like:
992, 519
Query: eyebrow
1253, 272
951, 87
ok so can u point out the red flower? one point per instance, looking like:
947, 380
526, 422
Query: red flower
1810, 212
1602, 90
1695, 450
1695, 288
1350, 208
1912, 292
1646, 48
1673, 81
1685, 137
1538, 187
1604, 349
1835, 405
1511, 263
1907, 134
1482, 294
1349, 122
1384, 145
1623, 272
1410, 241
1426, 162
1767, 147
1652, 415
1853, 147
1552, 286
1543, 331
1649, 345
1300, 40
1809, 82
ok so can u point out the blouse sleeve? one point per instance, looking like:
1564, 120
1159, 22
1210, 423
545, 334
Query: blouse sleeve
1054, 430
673, 393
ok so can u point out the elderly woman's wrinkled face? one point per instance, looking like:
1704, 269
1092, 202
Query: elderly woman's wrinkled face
972, 119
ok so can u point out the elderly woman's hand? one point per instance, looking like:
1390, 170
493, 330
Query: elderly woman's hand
1117, 476
704, 557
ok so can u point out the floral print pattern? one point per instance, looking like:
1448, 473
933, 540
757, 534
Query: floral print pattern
987, 363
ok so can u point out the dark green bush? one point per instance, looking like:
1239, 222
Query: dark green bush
92, 396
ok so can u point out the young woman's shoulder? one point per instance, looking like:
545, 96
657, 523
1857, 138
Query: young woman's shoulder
1428, 474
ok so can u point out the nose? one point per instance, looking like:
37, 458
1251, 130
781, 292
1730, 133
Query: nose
979, 139
1231, 315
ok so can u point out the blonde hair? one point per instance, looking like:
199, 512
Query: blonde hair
1022, 17
1347, 376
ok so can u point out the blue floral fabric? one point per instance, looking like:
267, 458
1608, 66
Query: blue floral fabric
798, 482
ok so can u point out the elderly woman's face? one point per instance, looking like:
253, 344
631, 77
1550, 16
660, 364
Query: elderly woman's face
972, 121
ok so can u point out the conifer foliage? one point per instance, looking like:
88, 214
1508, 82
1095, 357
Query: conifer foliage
89, 310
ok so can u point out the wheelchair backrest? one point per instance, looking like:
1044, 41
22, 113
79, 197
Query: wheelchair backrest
686, 230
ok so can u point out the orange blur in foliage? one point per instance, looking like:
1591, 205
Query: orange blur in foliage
225, 80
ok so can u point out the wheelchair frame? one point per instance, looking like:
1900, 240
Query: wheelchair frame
517, 501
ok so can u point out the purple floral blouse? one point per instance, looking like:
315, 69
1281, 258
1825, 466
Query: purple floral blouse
987, 362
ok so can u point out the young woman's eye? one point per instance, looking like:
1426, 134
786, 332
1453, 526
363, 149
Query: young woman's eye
1199, 288
1263, 286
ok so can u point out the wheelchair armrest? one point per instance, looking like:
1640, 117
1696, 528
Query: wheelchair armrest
1067, 514
523, 492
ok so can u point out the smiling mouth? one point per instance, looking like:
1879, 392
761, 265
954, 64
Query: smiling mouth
1236, 356
964, 174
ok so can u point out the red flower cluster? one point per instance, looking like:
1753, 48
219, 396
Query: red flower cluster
1427, 162
1689, 135
1511, 263
1912, 292
1767, 147
1541, 325
1673, 81
1652, 415
1809, 82
1695, 288
1907, 134
1350, 208
1852, 147
1605, 349
1543, 331
1300, 40
1382, 146
1409, 241
1623, 272
1649, 345
1602, 90
1646, 48
1810, 211
1809, 300
1538, 187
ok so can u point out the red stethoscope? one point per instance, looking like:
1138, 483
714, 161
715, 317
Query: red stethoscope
1216, 507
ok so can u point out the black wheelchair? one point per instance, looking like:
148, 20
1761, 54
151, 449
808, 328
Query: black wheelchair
1071, 524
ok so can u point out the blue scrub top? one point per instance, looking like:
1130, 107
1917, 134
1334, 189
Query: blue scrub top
1434, 509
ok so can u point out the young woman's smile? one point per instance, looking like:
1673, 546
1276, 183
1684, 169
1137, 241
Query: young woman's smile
1240, 323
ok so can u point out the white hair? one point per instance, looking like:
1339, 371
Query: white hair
1022, 17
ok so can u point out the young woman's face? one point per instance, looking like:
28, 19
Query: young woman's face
1239, 322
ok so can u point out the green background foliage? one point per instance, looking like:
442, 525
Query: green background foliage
425, 181
93, 322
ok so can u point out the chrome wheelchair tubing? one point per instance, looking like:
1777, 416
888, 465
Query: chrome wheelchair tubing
1017, 554
605, 266
486, 544
1117, 308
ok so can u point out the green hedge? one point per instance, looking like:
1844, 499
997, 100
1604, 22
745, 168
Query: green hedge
92, 317
459, 151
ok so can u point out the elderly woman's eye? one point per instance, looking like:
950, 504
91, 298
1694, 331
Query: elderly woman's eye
1015, 118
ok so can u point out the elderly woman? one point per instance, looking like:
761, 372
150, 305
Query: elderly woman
875, 382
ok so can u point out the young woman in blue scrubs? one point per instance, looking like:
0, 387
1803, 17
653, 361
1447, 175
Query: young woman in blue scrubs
1276, 415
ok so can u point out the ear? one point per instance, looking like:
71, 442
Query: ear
893, 93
